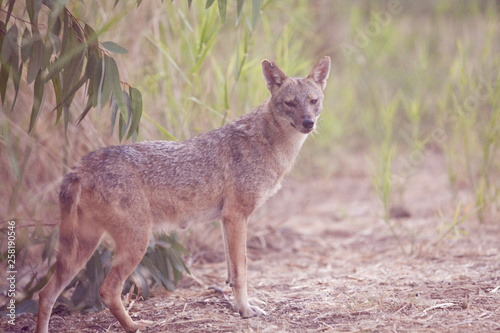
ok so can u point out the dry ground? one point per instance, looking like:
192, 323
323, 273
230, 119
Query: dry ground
322, 261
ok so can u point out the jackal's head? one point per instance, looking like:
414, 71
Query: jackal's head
297, 102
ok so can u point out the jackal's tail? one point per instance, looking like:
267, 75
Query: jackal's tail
69, 198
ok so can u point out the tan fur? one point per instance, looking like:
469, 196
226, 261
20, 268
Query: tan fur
129, 191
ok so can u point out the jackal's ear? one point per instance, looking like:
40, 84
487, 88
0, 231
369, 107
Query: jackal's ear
273, 74
320, 72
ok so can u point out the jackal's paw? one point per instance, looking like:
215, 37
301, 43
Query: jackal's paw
142, 325
250, 311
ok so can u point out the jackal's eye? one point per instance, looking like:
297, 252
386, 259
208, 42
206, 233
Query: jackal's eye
290, 103
313, 101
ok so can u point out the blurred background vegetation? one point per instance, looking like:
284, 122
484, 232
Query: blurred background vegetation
410, 80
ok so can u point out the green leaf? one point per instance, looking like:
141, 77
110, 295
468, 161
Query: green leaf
93, 76
136, 101
255, 12
9, 60
209, 3
95, 81
35, 59
9, 46
9, 11
222, 4
17, 80
114, 79
85, 110
54, 24
37, 100
239, 9
69, 95
26, 45
104, 84
4, 77
49, 47
72, 69
189, 3
113, 47
66, 116
56, 82
76, 28
114, 112
33, 8
91, 34
124, 123
3, 28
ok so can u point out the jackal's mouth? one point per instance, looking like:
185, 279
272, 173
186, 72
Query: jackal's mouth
303, 130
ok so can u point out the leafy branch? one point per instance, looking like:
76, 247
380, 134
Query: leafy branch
66, 53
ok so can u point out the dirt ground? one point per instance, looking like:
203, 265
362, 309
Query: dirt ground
322, 260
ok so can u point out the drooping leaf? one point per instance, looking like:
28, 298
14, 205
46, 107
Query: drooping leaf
136, 101
113, 47
97, 82
9, 59
92, 76
17, 80
124, 123
114, 79
36, 57
105, 84
78, 31
33, 8
72, 69
255, 12
9, 11
37, 100
90, 34
54, 25
91, 64
3, 28
26, 45
189, 3
84, 79
9, 46
114, 112
4, 77
56, 83
85, 110
239, 9
48, 51
66, 116
222, 4
209, 3
157, 275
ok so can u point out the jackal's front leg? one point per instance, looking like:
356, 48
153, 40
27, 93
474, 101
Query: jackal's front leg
235, 234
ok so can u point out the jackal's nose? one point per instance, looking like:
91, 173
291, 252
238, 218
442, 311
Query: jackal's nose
308, 123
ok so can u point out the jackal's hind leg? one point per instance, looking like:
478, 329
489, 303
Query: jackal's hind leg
71, 258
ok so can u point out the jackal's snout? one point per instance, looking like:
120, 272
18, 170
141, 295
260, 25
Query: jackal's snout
308, 124
305, 123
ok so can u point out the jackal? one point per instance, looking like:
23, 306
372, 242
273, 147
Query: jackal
128, 191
